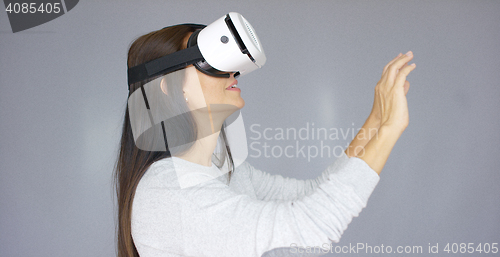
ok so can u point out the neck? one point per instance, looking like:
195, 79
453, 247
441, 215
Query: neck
209, 122
202, 150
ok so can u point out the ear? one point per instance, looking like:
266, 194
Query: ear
163, 86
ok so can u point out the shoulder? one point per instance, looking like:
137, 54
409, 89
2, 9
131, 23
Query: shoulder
243, 167
160, 174
244, 170
175, 173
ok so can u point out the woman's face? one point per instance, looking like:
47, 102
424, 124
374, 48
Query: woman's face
221, 90
217, 90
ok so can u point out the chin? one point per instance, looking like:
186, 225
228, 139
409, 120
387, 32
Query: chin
240, 104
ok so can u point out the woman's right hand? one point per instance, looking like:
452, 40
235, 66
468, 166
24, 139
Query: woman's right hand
390, 104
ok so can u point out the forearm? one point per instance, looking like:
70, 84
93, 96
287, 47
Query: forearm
364, 135
377, 150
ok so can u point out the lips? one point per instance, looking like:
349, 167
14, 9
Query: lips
233, 86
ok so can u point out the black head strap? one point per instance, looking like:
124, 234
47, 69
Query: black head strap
167, 63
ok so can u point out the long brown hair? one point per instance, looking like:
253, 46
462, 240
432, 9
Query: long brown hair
133, 162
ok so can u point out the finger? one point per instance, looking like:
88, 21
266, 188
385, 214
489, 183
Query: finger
397, 65
407, 87
392, 61
391, 64
401, 78
401, 68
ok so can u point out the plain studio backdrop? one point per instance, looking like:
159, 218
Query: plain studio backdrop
64, 92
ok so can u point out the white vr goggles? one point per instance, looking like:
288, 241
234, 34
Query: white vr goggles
228, 45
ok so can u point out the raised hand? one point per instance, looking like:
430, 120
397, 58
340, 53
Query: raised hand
390, 106
389, 114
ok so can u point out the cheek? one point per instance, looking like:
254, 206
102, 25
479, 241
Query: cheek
214, 93
196, 100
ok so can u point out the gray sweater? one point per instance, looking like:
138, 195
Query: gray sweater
258, 214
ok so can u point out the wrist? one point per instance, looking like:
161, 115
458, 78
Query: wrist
373, 120
377, 151
392, 129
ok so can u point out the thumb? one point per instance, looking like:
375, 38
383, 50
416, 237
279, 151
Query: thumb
407, 87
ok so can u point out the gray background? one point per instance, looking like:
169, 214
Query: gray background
63, 94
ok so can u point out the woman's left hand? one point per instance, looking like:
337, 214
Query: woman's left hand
374, 121
375, 115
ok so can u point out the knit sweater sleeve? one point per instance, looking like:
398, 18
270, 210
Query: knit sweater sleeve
210, 219
276, 187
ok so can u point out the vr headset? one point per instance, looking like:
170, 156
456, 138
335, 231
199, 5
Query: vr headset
227, 45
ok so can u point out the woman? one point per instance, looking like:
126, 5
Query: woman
176, 202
